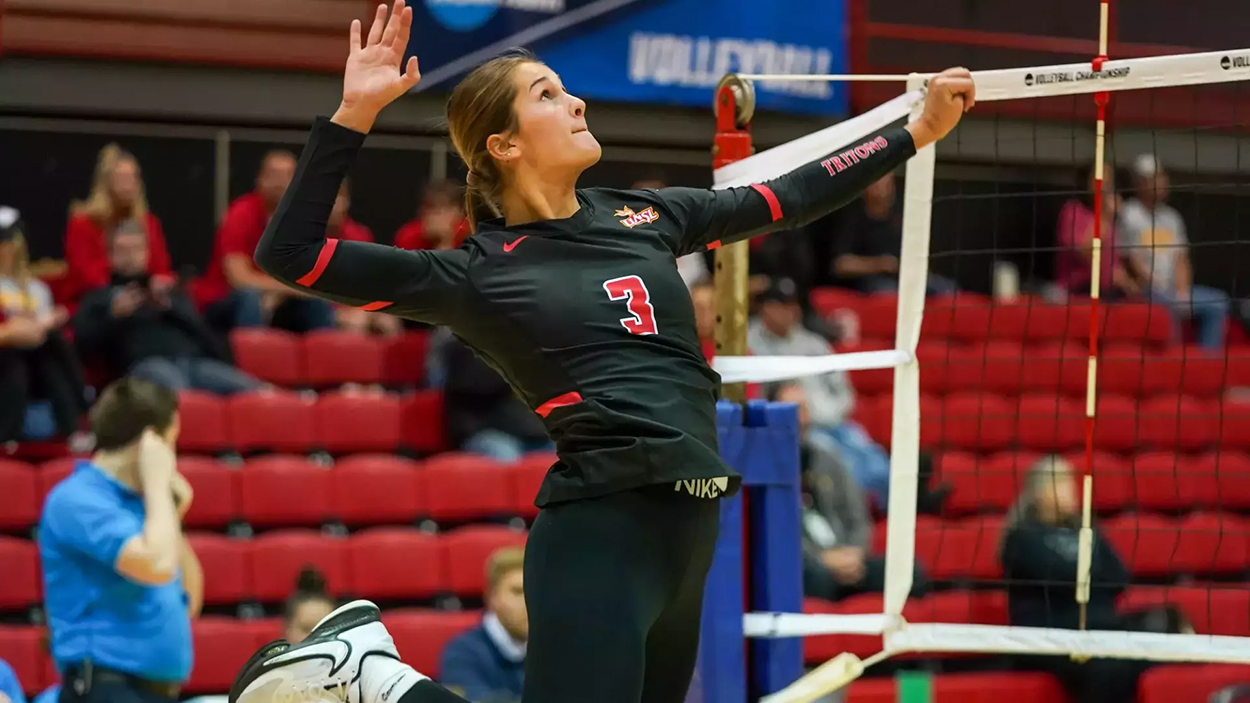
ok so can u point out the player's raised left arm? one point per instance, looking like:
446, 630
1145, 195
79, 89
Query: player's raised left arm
709, 218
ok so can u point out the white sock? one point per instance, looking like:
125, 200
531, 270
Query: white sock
386, 680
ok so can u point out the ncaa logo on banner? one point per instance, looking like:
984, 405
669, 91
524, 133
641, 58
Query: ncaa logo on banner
468, 15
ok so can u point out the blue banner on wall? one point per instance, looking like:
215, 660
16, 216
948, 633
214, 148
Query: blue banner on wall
653, 51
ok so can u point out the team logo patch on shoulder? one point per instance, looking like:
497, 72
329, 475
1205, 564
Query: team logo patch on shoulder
633, 219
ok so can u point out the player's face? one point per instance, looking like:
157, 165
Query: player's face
507, 602
551, 131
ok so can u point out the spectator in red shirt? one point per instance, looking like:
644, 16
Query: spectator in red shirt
234, 293
342, 226
117, 194
440, 224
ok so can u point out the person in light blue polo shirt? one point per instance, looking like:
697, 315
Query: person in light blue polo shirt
115, 559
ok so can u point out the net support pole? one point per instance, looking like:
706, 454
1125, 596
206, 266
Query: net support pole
913, 274
734, 107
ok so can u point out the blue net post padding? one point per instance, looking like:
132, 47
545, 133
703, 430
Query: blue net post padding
764, 447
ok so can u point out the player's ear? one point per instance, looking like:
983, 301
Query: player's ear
502, 148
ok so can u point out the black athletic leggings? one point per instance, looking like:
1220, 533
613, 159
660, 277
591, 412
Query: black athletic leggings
614, 589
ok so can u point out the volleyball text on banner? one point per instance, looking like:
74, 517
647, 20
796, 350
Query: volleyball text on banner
655, 51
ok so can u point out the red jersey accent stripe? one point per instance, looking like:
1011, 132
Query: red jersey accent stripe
323, 260
714, 245
559, 402
774, 205
378, 305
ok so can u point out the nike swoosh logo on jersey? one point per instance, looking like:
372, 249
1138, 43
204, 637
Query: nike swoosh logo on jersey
509, 246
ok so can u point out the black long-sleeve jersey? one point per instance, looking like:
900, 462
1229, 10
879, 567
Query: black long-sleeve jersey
586, 317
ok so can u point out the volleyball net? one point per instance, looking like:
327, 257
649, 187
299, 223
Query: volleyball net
1054, 349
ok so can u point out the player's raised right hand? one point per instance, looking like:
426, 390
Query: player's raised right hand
951, 93
373, 78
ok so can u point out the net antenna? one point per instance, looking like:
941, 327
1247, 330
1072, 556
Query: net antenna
1101, 77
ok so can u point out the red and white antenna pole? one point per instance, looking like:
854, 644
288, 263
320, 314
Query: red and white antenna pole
1101, 99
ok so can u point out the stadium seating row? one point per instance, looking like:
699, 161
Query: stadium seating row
974, 318
284, 490
330, 357
1009, 368
1214, 610
337, 422
1150, 545
988, 422
381, 563
1157, 481
222, 645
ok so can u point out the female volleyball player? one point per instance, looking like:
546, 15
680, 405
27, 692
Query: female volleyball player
574, 297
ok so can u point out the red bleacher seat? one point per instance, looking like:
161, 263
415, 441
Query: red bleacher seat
22, 648
217, 490
227, 573
421, 635
1117, 426
1017, 687
1189, 683
994, 366
1128, 369
1054, 368
466, 551
878, 316
1168, 481
1145, 543
527, 477
467, 487
829, 300
277, 421
277, 558
22, 585
1232, 476
356, 422
222, 645
1220, 609
404, 357
20, 487
390, 562
1212, 543
284, 490
203, 422
1142, 324
1235, 424
870, 382
1201, 374
822, 648
1050, 423
973, 421
964, 549
332, 357
51, 473
269, 354
1113, 479
975, 607
1179, 423
377, 489
264, 630
423, 421
1033, 320
983, 483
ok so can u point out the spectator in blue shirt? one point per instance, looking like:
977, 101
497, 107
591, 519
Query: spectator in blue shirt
486, 664
10, 687
115, 559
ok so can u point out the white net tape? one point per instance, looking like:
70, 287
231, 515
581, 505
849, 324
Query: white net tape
900, 636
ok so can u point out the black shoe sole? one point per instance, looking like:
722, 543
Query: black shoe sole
361, 613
